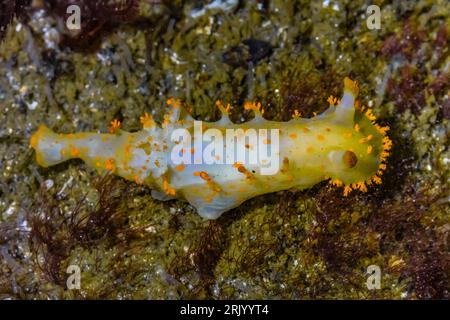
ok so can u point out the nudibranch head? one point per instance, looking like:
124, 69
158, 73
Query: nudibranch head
359, 157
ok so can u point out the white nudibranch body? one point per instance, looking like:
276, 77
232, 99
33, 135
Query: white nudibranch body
217, 166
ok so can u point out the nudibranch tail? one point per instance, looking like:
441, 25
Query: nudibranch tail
52, 148
343, 144
49, 150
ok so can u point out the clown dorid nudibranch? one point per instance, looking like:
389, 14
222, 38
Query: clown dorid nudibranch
344, 144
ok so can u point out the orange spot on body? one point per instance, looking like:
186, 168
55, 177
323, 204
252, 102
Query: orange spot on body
74, 152
127, 150
348, 135
110, 164
285, 166
205, 176
243, 170
365, 139
167, 188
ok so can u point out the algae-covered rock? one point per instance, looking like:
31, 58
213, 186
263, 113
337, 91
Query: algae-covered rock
289, 55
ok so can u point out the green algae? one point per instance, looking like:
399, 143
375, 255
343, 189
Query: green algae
313, 244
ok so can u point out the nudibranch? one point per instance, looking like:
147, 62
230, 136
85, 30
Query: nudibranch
344, 145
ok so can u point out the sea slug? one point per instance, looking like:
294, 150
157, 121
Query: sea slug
344, 145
